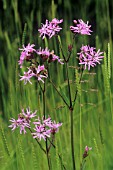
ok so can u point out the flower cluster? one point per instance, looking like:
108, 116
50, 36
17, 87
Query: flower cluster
45, 128
35, 70
23, 120
87, 149
50, 29
46, 55
26, 54
39, 73
81, 27
89, 57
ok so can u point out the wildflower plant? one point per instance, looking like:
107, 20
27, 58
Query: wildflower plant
35, 63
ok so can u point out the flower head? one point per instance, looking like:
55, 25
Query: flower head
81, 27
56, 21
46, 55
23, 120
44, 128
28, 49
20, 122
54, 127
89, 57
28, 115
87, 149
50, 29
27, 76
26, 54
37, 72
41, 73
41, 132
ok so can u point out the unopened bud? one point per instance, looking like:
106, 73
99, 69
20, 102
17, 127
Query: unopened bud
70, 48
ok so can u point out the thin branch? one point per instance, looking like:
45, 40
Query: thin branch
58, 92
77, 90
38, 142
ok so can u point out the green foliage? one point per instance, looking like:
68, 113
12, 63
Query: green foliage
24, 34
93, 126
5, 141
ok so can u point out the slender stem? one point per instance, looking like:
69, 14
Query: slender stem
77, 89
44, 110
80, 130
72, 140
44, 100
82, 164
51, 144
71, 119
58, 92
38, 142
47, 154
69, 89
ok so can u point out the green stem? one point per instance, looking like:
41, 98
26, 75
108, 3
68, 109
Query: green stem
38, 143
82, 164
77, 89
69, 89
72, 139
58, 92
51, 142
44, 110
71, 119
44, 100
47, 154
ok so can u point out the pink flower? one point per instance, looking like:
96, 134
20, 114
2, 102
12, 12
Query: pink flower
41, 132
28, 114
56, 21
86, 151
45, 127
53, 29
26, 54
54, 127
89, 57
14, 124
50, 29
88, 148
38, 73
46, 55
23, 120
81, 27
22, 58
20, 122
27, 76
28, 49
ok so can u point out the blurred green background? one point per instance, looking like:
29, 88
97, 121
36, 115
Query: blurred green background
93, 117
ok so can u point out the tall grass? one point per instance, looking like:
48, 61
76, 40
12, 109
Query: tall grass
93, 117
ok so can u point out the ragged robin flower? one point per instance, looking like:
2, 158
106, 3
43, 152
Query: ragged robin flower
49, 29
26, 54
46, 55
80, 27
33, 71
44, 128
87, 149
23, 120
89, 57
